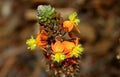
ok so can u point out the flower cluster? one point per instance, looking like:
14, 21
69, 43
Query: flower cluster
62, 53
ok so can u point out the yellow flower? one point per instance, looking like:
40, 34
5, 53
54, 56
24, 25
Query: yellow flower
57, 50
31, 43
77, 50
58, 57
73, 18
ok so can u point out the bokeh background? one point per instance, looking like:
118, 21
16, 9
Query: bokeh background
100, 36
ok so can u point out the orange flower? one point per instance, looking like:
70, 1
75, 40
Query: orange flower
42, 38
58, 51
65, 49
75, 49
43, 35
57, 47
40, 42
68, 46
68, 26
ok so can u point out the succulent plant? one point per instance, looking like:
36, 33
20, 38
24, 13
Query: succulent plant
58, 50
46, 14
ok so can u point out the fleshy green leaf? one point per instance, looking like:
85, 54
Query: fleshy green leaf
45, 13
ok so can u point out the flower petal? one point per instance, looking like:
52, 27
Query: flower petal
68, 46
68, 25
58, 47
40, 42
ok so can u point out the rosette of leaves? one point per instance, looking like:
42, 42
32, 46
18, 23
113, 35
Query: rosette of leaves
46, 15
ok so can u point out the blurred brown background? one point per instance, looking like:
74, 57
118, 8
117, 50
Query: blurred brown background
100, 36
